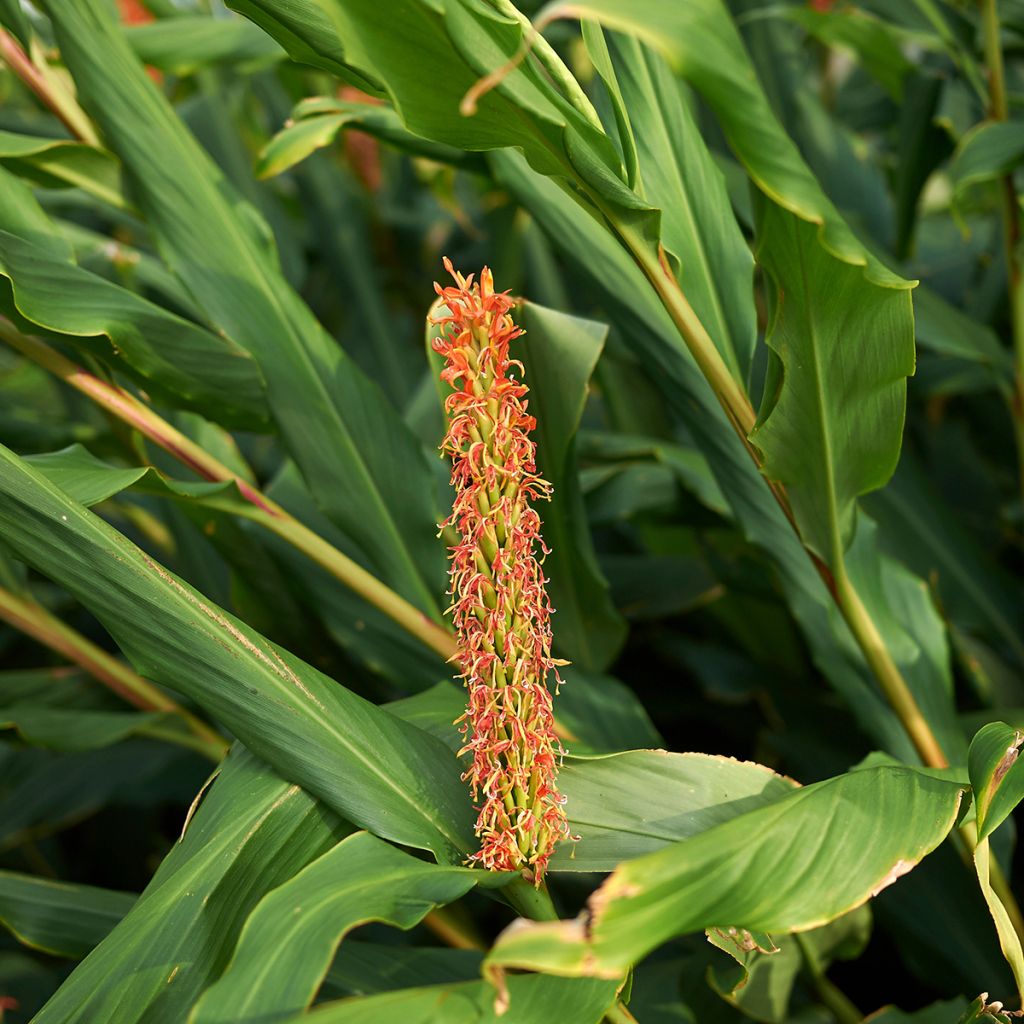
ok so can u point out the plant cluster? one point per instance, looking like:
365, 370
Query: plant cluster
729, 439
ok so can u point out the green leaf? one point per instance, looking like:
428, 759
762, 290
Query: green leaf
625, 805
305, 30
996, 778
66, 729
639, 316
14, 19
793, 865
560, 353
317, 122
377, 771
703, 46
831, 422
181, 362
761, 982
289, 940
989, 151
365, 469
527, 999
59, 918
679, 177
252, 832
62, 163
365, 968
185, 44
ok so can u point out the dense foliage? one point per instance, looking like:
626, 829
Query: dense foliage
767, 262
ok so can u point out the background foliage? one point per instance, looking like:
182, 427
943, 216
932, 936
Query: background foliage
786, 524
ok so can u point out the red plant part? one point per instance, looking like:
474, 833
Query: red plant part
499, 605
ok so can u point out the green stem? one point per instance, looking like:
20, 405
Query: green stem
833, 998
877, 655
998, 111
553, 64
618, 1014
35, 621
530, 901
733, 399
260, 508
42, 82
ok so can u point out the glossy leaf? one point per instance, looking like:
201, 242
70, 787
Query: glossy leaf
331, 740
796, 864
251, 832
529, 999
831, 422
366, 471
988, 152
288, 942
702, 44
560, 353
58, 917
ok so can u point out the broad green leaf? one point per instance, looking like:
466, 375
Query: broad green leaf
181, 362
67, 729
317, 122
89, 480
791, 866
63, 163
943, 328
453, 45
377, 771
625, 805
830, 425
252, 832
366, 471
996, 778
560, 353
703, 46
190, 42
601, 714
527, 999
305, 30
912, 628
678, 175
59, 918
46, 791
987, 152
289, 940
638, 315
365, 968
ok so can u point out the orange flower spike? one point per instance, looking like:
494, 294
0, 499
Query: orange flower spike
499, 605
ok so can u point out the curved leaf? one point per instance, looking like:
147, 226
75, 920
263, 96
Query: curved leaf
251, 832
374, 769
791, 866
289, 940
58, 917
702, 44
831, 422
365, 469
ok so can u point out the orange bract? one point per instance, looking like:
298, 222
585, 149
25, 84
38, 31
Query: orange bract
499, 605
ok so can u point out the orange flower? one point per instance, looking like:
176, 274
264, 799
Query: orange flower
499, 605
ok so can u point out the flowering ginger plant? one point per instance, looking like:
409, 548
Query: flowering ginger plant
499, 605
